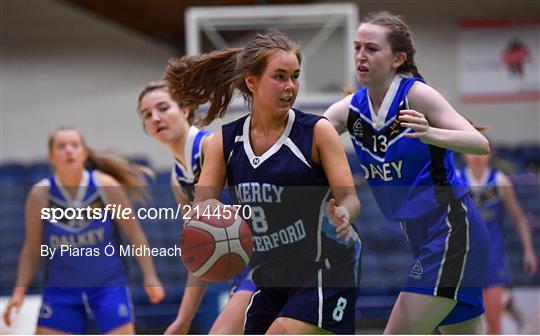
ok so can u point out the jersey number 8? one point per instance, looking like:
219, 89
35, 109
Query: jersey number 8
258, 219
341, 304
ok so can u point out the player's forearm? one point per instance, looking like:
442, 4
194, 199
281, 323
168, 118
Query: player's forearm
352, 203
466, 142
191, 300
525, 235
145, 262
204, 193
28, 264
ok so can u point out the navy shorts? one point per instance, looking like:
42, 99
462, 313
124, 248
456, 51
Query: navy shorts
69, 309
450, 247
324, 295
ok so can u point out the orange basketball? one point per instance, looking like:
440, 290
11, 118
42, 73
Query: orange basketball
216, 249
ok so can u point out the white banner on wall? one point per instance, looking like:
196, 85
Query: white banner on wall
499, 60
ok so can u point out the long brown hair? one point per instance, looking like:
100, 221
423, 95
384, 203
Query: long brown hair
213, 77
162, 85
127, 173
399, 37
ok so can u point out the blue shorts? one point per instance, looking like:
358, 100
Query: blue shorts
69, 309
243, 282
324, 297
450, 247
497, 273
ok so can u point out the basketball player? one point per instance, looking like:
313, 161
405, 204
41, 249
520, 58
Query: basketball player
169, 122
404, 134
82, 280
493, 192
280, 162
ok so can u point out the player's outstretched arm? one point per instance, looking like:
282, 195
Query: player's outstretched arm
30, 254
213, 173
330, 154
193, 294
194, 289
435, 122
130, 227
338, 113
511, 203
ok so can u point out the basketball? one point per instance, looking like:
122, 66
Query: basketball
215, 248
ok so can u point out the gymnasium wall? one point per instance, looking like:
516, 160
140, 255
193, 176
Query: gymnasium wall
64, 66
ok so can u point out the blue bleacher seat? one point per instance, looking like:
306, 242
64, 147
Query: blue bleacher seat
12, 174
38, 171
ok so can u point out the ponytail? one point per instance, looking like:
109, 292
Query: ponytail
410, 67
127, 173
196, 80
479, 128
213, 77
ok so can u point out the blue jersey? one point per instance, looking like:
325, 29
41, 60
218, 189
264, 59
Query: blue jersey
407, 177
486, 194
285, 189
488, 200
80, 258
185, 176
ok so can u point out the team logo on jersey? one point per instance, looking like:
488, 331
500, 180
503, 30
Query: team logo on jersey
486, 196
416, 270
394, 129
123, 310
357, 129
256, 161
45, 311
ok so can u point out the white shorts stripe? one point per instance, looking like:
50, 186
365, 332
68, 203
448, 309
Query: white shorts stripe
249, 306
467, 248
320, 292
444, 254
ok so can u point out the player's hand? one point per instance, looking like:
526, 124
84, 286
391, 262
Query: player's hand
16, 302
339, 218
416, 121
154, 289
178, 327
530, 263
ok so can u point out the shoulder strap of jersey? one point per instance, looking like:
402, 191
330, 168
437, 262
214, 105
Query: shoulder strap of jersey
492, 176
232, 133
197, 153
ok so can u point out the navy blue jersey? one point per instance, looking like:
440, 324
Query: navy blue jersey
285, 189
407, 177
185, 176
85, 264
